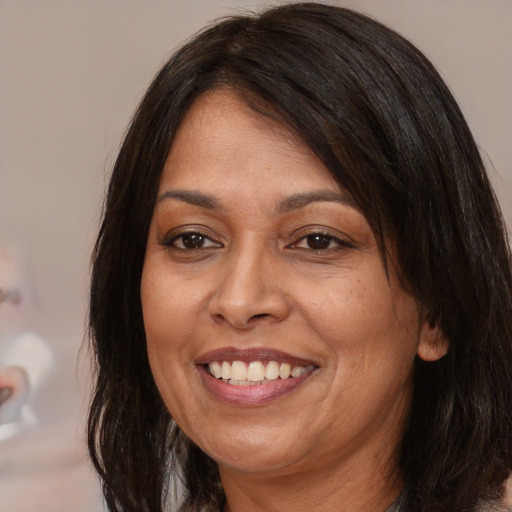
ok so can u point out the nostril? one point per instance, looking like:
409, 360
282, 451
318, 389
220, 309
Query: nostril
261, 315
244, 308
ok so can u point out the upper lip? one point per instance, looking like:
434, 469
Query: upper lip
251, 354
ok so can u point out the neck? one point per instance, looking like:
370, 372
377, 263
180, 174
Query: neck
356, 487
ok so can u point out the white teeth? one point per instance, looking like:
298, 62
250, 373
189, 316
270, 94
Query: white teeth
235, 382
226, 370
240, 373
272, 370
298, 371
216, 369
284, 371
256, 371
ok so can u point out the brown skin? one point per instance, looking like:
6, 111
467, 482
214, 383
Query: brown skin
329, 444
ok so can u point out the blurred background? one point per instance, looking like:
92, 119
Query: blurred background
71, 74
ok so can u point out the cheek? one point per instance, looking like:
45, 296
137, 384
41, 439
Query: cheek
369, 325
171, 370
169, 308
372, 335
167, 324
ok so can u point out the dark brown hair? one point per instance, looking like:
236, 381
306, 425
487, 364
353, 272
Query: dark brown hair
378, 115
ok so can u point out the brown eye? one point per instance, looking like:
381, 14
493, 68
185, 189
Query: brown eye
318, 241
192, 240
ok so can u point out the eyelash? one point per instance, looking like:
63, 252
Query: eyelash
171, 242
321, 236
326, 237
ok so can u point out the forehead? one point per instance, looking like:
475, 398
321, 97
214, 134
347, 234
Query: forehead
222, 137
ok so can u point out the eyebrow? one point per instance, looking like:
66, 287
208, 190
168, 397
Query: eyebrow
289, 204
192, 197
300, 200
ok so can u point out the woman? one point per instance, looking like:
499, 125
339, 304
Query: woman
301, 287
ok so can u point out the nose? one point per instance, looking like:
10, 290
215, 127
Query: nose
249, 291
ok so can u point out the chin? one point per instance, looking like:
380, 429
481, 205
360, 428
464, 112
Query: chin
256, 450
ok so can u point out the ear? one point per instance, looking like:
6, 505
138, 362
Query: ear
433, 343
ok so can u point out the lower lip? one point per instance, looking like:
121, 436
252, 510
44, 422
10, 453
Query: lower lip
253, 394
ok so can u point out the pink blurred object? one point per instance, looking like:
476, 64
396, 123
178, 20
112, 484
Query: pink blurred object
13, 296
43, 458
14, 392
25, 363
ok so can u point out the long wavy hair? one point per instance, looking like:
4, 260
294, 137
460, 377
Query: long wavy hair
380, 118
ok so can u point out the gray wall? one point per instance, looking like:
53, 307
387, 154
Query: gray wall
71, 73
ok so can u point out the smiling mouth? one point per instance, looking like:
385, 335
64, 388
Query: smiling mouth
252, 376
253, 373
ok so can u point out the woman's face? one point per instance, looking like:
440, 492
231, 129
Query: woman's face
259, 265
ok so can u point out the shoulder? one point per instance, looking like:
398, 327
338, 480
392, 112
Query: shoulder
493, 506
